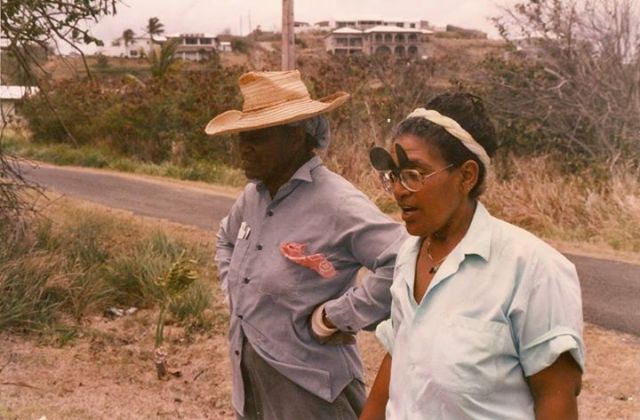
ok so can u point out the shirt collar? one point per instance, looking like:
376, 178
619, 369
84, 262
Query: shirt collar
477, 240
303, 174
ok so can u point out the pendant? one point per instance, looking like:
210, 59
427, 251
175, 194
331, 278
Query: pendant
434, 269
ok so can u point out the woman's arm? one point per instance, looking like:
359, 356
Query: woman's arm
555, 389
377, 401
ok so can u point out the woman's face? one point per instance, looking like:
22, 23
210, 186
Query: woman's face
440, 200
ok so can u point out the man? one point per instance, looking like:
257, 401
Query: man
288, 254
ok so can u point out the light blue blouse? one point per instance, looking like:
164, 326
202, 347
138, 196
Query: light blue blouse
503, 306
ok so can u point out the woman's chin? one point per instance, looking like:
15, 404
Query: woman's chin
414, 229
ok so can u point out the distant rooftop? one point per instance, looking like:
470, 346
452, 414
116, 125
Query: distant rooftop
391, 28
16, 92
347, 30
190, 35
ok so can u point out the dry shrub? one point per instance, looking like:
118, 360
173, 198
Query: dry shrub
535, 194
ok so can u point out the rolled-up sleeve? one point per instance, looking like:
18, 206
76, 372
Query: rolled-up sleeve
386, 335
373, 239
546, 315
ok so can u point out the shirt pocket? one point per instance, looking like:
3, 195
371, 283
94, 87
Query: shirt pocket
237, 260
466, 353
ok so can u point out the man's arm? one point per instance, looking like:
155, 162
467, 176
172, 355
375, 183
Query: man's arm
225, 242
373, 239
555, 389
375, 407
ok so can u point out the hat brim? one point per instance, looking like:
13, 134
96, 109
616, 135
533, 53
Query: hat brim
235, 121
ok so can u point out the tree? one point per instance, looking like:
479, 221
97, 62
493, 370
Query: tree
162, 61
154, 27
572, 82
127, 36
42, 23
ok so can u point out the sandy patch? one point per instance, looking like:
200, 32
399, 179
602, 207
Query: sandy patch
109, 373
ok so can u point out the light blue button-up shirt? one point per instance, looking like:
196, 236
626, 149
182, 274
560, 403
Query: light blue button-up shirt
272, 298
503, 306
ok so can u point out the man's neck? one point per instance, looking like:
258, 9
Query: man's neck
274, 184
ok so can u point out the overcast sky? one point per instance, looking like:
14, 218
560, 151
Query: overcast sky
214, 16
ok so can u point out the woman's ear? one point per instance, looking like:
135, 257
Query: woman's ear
470, 171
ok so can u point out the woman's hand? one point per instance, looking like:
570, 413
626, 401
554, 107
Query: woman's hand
375, 407
555, 389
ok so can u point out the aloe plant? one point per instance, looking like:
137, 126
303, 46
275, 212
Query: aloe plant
170, 287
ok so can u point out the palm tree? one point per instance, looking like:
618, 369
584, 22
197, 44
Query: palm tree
127, 36
154, 27
162, 61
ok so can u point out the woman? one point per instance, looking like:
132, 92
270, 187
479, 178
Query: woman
486, 319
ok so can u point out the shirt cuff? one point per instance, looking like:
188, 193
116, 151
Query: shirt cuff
544, 351
384, 334
318, 326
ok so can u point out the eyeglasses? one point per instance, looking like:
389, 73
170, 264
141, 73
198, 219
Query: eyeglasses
411, 179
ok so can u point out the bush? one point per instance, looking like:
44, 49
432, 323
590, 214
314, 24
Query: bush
135, 118
59, 272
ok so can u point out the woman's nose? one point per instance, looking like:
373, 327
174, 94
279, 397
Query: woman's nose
399, 191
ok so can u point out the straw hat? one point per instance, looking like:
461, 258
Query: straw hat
270, 99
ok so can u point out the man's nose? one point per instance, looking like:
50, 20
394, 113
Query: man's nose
245, 146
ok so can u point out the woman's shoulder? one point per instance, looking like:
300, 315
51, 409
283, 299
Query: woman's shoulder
515, 242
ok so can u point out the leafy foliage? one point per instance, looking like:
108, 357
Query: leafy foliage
570, 82
31, 26
139, 119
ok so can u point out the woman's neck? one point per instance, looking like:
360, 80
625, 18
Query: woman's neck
445, 239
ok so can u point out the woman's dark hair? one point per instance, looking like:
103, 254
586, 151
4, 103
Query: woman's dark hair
468, 111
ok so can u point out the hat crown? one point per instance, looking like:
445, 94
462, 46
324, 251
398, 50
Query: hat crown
266, 89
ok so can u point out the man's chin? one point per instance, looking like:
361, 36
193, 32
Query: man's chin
249, 174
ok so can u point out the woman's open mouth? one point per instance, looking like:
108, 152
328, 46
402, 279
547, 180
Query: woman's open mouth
408, 212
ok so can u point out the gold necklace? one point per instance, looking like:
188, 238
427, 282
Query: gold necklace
437, 265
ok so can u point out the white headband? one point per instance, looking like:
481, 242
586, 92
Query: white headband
456, 131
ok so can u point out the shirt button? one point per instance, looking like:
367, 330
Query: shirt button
240, 316
237, 353
270, 213
246, 280
259, 247
349, 327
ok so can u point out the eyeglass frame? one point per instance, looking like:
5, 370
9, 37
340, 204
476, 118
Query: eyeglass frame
389, 177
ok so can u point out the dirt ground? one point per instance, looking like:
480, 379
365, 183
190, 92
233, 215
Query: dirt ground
109, 374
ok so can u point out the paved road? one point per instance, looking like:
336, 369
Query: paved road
610, 289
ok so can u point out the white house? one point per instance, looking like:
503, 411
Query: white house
398, 41
10, 99
138, 47
195, 46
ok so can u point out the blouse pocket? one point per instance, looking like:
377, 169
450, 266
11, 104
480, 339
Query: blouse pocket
466, 353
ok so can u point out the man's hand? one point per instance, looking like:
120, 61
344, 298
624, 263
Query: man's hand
325, 332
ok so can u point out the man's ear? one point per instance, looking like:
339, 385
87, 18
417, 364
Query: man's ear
470, 172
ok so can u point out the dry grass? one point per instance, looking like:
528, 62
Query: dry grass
591, 207
73, 262
535, 194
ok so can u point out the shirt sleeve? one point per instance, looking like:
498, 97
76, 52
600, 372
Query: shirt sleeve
546, 314
386, 335
373, 239
226, 239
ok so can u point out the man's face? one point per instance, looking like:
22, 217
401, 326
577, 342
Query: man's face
267, 153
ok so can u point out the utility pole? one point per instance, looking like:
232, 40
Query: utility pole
288, 41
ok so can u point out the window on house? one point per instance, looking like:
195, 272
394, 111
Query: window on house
191, 41
205, 41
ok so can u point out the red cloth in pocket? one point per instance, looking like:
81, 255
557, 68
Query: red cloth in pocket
317, 262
